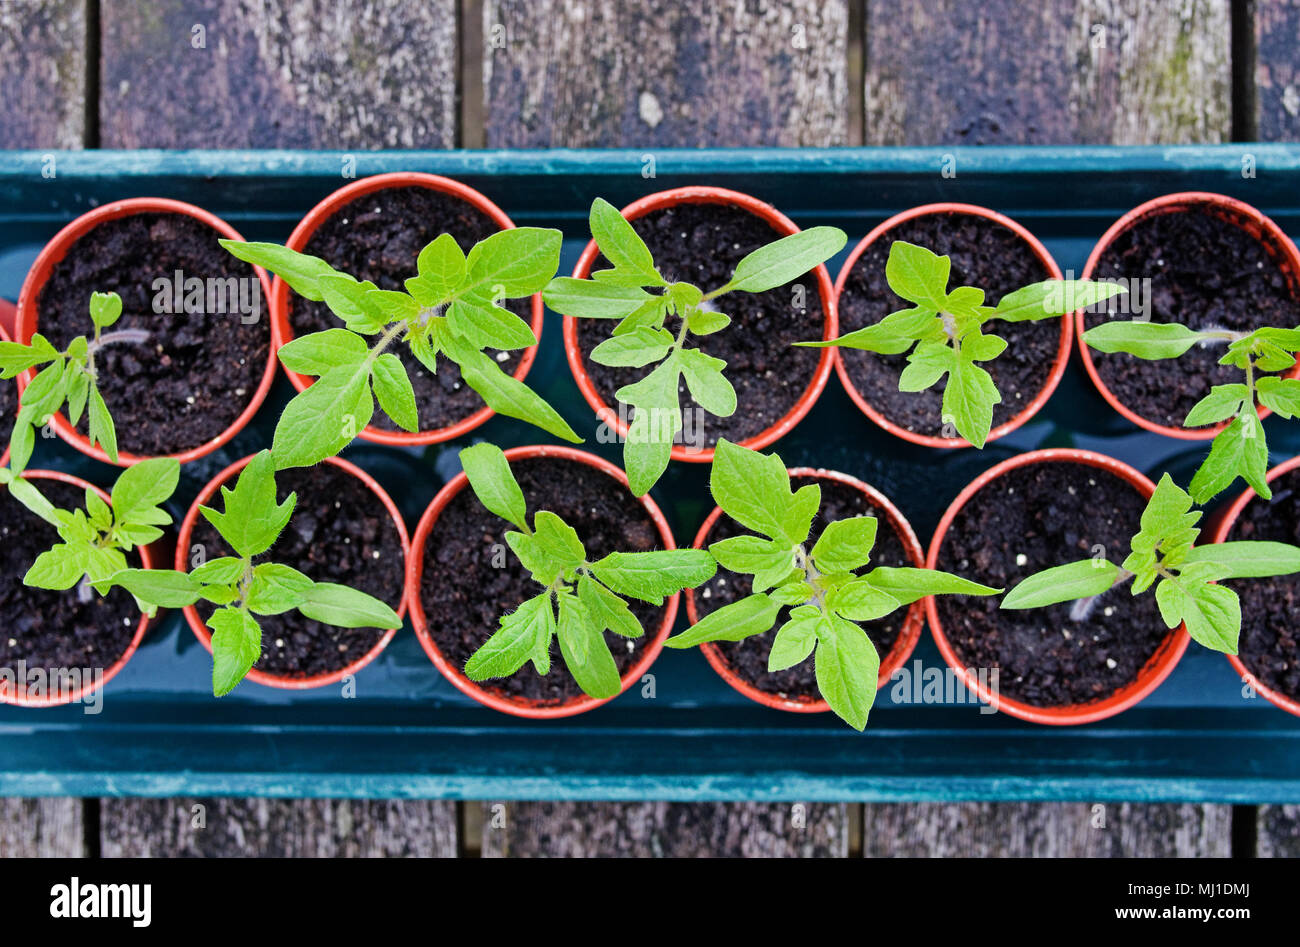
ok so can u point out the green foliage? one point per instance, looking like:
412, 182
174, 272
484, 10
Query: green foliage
825, 587
451, 308
1239, 450
945, 331
580, 599
634, 292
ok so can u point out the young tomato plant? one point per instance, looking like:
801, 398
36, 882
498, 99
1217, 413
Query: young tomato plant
1162, 554
634, 292
579, 599
1239, 450
823, 586
451, 307
69, 377
947, 330
250, 523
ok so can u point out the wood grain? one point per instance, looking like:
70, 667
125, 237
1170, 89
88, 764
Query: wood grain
598, 73
278, 74
1277, 832
1277, 69
1049, 72
663, 829
1054, 830
42, 828
43, 74
291, 828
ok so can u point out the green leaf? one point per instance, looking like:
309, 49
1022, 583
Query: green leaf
785, 260
276, 589
607, 609
393, 391
652, 576
102, 431
797, 521
236, 644
299, 270
794, 641
524, 635
252, 519
929, 362
344, 607
648, 445
589, 299
969, 398
1223, 402
708, 386
633, 349
326, 417
707, 321
27, 493
225, 570
1248, 559
441, 269
1066, 583
907, 584
1238, 450
164, 588
58, 568
1211, 613
845, 544
769, 561
511, 263
752, 488
105, 309
145, 486
544, 569
751, 615
621, 245
1280, 395
507, 395
585, 652
1149, 340
16, 358
918, 275
350, 300
494, 484
847, 668
489, 326
1053, 298
892, 335
860, 601
318, 352
558, 541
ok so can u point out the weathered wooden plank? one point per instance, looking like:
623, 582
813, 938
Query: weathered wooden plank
663, 829
1277, 832
1049, 72
1046, 830
1277, 69
584, 73
42, 828
294, 828
278, 73
43, 74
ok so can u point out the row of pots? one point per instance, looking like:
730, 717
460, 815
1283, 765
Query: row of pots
1261, 228
1152, 674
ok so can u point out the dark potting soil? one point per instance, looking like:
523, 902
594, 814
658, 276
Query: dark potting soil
1027, 520
984, 254
471, 578
8, 411
748, 658
1205, 272
54, 629
1270, 640
340, 532
701, 244
378, 237
197, 371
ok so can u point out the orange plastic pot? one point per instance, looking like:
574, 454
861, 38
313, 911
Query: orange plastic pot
1062, 350
1153, 673
521, 708
22, 700
778, 222
1221, 534
54, 252
1277, 244
281, 303
891, 662
4, 337
202, 632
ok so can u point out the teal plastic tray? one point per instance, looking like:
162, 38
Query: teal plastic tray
410, 733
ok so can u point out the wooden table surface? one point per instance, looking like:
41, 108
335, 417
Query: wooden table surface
552, 73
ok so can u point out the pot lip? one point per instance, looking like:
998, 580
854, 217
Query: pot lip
1229, 519
146, 560
276, 680
54, 252
908, 636
415, 572
1062, 349
1175, 203
282, 330
1158, 666
4, 337
703, 194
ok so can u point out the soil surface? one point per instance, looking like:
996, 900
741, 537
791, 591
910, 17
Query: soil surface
984, 254
340, 532
1270, 641
198, 370
1205, 273
54, 629
378, 237
471, 578
1027, 520
748, 658
701, 244
8, 411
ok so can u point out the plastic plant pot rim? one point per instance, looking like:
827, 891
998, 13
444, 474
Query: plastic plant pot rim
1062, 350
908, 636
54, 252
415, 574
1233, 211
1229, 519
779, 222
111, 672
1153, 673
205, 636
4, 457
282, 330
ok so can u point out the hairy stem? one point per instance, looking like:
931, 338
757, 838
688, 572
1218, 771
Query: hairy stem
1081, 608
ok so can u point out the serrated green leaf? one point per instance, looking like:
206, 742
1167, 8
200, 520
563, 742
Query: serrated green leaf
847, 669
558, 541
489, 326
325, 418
276, 589
506, 394
622, 246
607, 609
797, 521
58, 568
653, 576
707, 321
440, 269
494, 484
1223, 402
635, 349
859, 600
968, 399
1239, 450
318, 352
101, 429
586, 654
845, 544
793, 643
510, 264
918, 275
706, 383
752, 488
350, 300
1280, 395
769, 561
236, 645
143, 487
524, 635
252, 519
1211, 613
892, 335
225, 570
393, 391
648, 445
299, 270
